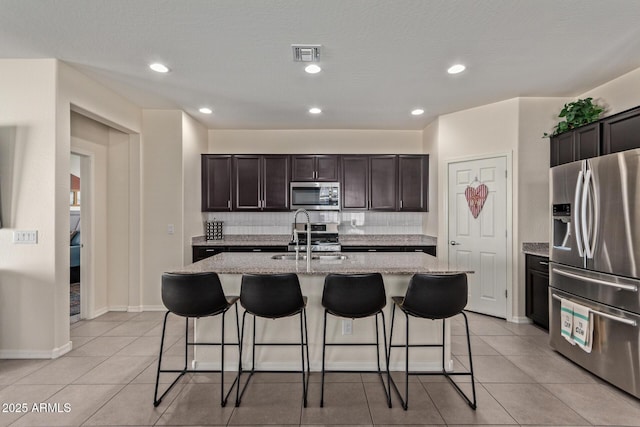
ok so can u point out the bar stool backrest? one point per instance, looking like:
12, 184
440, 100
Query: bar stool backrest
271, 295
354, 295
193, 294
436, 296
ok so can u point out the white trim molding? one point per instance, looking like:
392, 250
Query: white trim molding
36, 354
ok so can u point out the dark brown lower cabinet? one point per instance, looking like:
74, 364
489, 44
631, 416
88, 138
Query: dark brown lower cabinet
427, 249
201, 252
537, 289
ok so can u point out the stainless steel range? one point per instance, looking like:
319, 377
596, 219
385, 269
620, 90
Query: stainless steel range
324, 237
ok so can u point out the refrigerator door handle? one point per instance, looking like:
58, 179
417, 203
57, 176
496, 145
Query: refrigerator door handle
629, 322
583, 215
632, 288
576, 221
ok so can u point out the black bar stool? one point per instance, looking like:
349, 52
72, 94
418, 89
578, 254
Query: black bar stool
273, 296
433, 296
195, 295
355, 296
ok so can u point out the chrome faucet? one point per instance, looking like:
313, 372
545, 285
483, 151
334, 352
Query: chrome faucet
297, 240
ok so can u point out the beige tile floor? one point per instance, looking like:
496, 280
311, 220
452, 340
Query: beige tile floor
109, 376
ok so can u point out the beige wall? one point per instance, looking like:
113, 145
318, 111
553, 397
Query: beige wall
36, 97
162, 200
475, 133
28, 185
315, 141
194, 143
430, 147
618, 94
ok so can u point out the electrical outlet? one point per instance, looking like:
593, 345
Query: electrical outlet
25, 237
347, 326
170, 229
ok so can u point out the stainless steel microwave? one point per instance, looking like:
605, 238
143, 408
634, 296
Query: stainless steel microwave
318, 196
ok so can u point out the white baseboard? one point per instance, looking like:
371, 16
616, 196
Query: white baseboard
118, 308
134, 309
520, 319
98, 312
153, 308
36, 354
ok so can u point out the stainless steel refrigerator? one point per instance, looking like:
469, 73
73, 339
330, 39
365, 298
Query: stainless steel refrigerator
595, 261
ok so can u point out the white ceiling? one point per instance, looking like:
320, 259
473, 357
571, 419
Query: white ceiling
380, 58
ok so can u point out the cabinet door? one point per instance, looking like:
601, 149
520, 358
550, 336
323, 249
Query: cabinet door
586, 142
247, 182
562, 149
537, 290
621, 132
303, 168
275, 183
201, 252
327, 168
413, 181
383, 182
355, 172
216, 183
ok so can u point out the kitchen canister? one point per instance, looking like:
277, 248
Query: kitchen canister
214, 230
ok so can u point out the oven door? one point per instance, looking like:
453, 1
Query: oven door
615, 354
315, 196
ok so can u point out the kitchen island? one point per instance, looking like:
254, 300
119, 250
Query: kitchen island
396, 268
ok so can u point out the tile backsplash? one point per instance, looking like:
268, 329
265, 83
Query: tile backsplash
350, 222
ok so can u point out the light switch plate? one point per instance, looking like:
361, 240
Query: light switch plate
25, 237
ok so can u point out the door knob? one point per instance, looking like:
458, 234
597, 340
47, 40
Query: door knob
454, 243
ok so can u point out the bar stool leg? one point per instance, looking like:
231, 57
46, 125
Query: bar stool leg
238, 393
384, 340
157, 400
302, 345
324, 340
406, 367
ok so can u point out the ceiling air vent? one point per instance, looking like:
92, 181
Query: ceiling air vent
306, 52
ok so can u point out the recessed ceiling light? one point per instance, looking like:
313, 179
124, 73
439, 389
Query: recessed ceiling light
159, 68
315, 110
312, 69
455, 69
417, 111
205, 110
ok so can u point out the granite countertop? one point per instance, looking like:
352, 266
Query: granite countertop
539, 249
345, 240
262, 263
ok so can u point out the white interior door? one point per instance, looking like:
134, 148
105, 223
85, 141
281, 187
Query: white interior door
480, 244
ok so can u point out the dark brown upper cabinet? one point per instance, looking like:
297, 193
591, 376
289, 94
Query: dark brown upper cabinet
355, 182
578, 144
383, 182
413, 177
216, 182
621, 132
261, 182
314, 167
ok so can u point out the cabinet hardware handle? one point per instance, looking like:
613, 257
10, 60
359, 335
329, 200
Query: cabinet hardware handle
372, 250
256, 250
209, 250
543, 263
400, 204
229, 204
